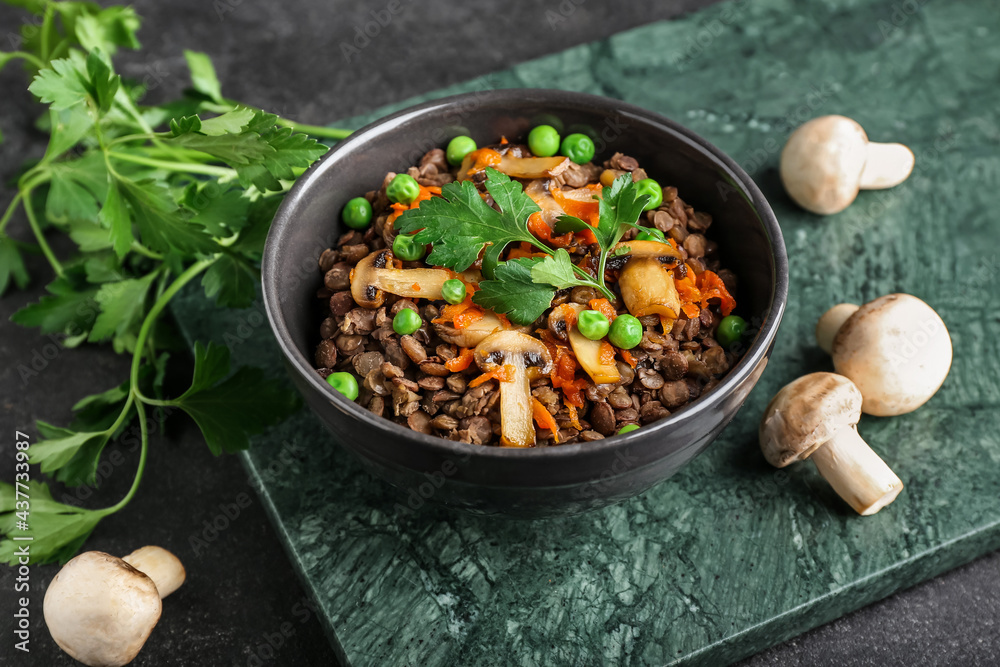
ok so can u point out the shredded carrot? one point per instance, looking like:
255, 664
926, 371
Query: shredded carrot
467, 317
712, 287
504, 321
690, 295
565, 312
604, 307
628, 358
482, 158
606, 353
523, 250
503, 373
426, 192
541, 229
461, 362
586, 237
544, 418
574, 418
415, 287
503, 140
456, 313
397, 210
587, 209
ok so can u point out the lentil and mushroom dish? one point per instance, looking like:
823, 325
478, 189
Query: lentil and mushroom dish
523, 295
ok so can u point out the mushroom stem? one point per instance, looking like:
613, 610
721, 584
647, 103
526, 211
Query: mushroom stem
517, 428
887, 166
164, 568
418, 283
830, 322
856, 472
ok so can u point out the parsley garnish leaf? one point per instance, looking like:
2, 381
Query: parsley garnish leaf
512, 291
460, 224
620, 206
557, 270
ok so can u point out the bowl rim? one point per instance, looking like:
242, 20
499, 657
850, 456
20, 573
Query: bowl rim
514, 97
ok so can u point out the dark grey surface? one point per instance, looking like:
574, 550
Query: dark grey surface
241, 598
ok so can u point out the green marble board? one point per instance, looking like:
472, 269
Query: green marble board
730, 556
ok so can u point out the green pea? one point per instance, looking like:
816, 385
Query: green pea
625, 332
730, 330
628, 428
357, 213
403, 189
406, 321
651, 234
648, 186
453, 291
406, 249
543, 141
578, 147
458, 148
345, 383
592, 324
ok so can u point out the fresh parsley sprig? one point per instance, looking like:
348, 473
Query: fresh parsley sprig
461, 226
154, 198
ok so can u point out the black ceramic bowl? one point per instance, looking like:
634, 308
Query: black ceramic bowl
546, 481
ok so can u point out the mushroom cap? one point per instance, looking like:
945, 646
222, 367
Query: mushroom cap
664, 252
897, 350
100, 610
805, 414
822, 162
499, 347
364, 287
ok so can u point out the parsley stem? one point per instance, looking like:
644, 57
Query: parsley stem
315, 130
29, 209
146, 252
154, 312
9, 213
189, 167
144, 435
46, 27
31, 58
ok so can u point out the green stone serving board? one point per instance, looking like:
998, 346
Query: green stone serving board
730, 556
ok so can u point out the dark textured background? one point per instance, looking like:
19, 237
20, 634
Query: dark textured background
242, 604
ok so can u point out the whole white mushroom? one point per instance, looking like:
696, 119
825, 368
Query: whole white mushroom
101, 609
896, 349
828, 159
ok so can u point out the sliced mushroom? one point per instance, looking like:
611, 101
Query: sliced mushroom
648, 288
898, 352
472, 335
374, 275
588, 354
816, 416
527, 359
625, 251
828, 159
538, 190
515, 167
100, 609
